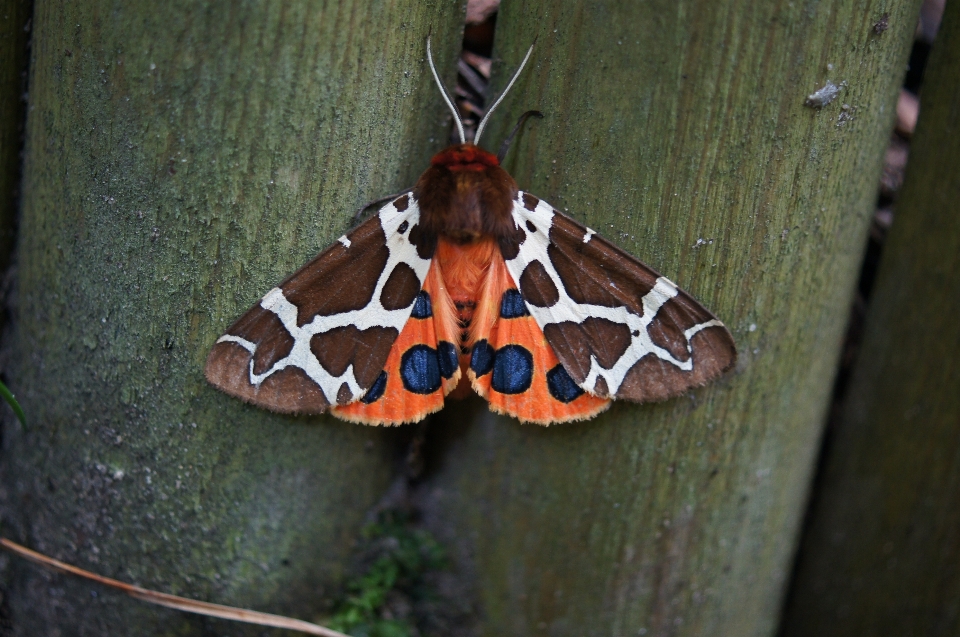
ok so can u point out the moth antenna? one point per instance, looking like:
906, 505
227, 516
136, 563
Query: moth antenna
483, 122
446, 96
505, 146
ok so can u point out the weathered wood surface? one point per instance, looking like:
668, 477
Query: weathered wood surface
679, 131
14, 33
181, 159
882, 553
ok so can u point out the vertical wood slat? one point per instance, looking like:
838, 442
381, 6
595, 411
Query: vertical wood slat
181, 159
882, 553
679, 131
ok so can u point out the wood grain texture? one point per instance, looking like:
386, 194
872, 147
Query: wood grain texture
882, 550
678, 130
181, 160
14, 34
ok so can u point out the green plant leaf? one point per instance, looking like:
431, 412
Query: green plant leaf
8, 396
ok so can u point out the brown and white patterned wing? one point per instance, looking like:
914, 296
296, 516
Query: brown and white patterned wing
322, 337
619, 328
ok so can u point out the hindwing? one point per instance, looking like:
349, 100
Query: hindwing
619, 328
322, 337
513, 367
422, 366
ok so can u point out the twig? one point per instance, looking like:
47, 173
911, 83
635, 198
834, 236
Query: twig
174, 601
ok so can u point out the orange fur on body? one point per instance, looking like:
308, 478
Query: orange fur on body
476, 278
464, 268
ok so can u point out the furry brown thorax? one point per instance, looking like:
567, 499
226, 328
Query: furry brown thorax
465, 196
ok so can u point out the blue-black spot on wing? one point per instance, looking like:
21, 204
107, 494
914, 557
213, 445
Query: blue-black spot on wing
512, 305
447, 356
512, 370
422, 307
481, 359
420, 370
376, 389
561, 386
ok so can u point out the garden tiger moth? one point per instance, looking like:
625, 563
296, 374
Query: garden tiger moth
467, 283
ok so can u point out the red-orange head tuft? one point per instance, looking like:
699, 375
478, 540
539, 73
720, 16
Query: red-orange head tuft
465, 157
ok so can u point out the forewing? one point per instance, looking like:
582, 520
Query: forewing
618, 327
322, 337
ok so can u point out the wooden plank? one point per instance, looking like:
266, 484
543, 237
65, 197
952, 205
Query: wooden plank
182, 158
882, 552
679, 131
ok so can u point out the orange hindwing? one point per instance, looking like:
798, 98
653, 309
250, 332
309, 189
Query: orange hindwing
513, 366
422, 366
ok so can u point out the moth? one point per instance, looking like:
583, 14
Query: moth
466, 283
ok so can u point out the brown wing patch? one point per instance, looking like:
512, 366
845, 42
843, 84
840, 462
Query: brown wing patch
266, 329
529, 201
227, 366
675, 317
289, 390
510, 243
366, 350
347, 277
425, 242
597, 272
597, 336
537, 287
653, 379
401, 288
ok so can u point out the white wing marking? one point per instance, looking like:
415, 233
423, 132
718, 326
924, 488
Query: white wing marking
242, 342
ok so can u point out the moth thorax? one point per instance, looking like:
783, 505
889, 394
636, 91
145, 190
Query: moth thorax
465, 195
